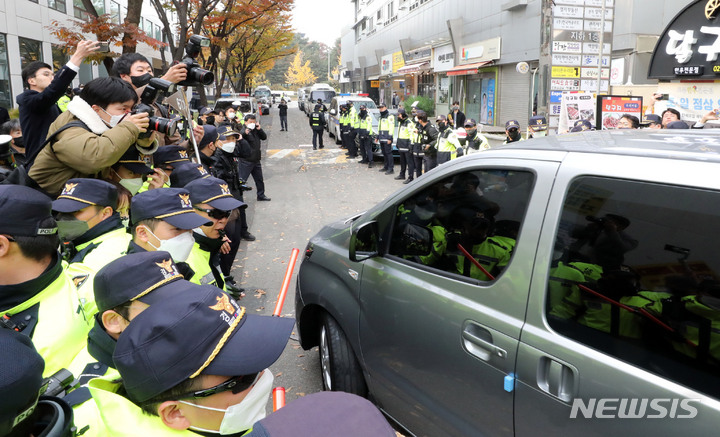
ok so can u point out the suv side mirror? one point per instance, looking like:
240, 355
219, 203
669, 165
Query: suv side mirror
364, 242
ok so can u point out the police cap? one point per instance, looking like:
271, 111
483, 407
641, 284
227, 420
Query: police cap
538, 123
22, 209
512, 124
205, 110
5, 146
226, 131
214, 192
581, 125
170, 155
21, 370
133, 160
677, 124
441, 118
210, 135
652, 119
200, 333
168, 204
470, 123
143, 276
83, 192
186, 172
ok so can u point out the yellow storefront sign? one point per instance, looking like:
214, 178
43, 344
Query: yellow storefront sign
374, 84
398, 61
566, 72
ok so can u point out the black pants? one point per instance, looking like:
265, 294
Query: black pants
418, 162
234, 231
247, 168
366, 144
407, 161
283, 122
430, 162
388, 162
317, 133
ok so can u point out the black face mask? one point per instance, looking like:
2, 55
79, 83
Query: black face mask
363, 113
140, 81
19, 142
442, 125
210, 119
514, 134
384, 113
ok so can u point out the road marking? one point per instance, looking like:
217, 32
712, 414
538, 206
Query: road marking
316, 157
279, 154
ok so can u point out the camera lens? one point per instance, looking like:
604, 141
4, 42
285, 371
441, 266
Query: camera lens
199, 75
163, 125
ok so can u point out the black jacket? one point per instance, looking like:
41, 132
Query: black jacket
39, 110
430, 135
283, 109
457, 121
226, 168
255, 139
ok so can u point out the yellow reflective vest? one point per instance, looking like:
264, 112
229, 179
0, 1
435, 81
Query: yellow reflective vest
199, 261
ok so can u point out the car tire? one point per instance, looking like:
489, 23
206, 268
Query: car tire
339, 367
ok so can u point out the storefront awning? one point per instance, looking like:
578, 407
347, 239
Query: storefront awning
376, 77
412, 68
467, 69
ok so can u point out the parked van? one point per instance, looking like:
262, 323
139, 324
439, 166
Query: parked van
531, 290
318, 91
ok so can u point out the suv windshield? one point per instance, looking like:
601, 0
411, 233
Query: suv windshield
326, 96
260, 93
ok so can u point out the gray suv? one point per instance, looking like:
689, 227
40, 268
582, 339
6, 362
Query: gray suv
532, 290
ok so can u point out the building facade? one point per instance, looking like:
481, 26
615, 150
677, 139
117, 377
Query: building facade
25, 37
469, 50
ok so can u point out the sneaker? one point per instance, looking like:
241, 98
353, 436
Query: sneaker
247, 236
232, 288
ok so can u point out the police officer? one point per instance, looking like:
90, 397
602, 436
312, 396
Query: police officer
406, 133
512, 132
343, 121
366, 134
7, 163
186, 172
212, 200
132, 172
353, 126
185, 360
386, 131
537, 126
448, 142
476, 142
317, 124
416, 146
164, 160
428, 141
22, 412
164, 220
323, 108
39, 300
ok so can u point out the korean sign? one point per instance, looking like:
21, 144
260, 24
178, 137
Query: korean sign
611, 108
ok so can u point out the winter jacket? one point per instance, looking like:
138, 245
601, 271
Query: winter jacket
255, 139
79, 153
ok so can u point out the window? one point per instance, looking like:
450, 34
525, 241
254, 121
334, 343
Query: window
5, 94
30, 50
443, 89
58, 5
85, 74
391, 9
82, 14
379, 15
158, 33
115, 12
426, 86
480, 211
635, 275
59, 56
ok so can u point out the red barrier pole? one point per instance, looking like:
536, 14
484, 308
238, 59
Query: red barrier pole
278, 398
474, 261
286, 282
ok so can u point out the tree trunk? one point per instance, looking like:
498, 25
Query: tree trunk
134, 8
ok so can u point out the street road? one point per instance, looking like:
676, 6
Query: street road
309, 188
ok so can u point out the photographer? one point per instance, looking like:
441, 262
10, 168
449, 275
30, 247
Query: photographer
38, 103
136, 70
253, 133
109, 130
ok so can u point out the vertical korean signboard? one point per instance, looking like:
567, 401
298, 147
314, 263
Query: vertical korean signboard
575, 58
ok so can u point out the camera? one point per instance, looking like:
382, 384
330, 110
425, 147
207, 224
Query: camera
149, 95
196, 76
57, 383
104, 47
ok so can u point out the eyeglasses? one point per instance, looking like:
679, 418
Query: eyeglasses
236, 384
217, 214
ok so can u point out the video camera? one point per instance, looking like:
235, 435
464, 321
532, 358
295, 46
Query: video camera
196, 76
148, 97
57, 383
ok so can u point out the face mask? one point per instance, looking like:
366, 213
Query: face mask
230, 115
140, 81
416, 119
242, 416
114, 119
539, 134
178, 247
210, 119
250, 126
515, 134
228, 147
18, 141
133, 185
125, 221
456, 108
442, 126
71, 228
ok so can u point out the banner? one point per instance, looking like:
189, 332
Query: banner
611, 108
576, 106
487, 101
693, 100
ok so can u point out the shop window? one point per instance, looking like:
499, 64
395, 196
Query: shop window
115, 12
85, 74
82, 14
30, 51
59, 56
5, 94
480, 211
426, 86
443, 91
635, 275
58, 5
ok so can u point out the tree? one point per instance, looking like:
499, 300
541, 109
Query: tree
299, 74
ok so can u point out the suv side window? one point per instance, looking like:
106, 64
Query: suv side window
480, 211
635, 275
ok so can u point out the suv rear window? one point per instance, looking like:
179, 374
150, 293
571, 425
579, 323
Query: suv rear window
326, 96
635, 274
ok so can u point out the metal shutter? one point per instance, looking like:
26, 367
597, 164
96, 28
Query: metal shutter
513, 97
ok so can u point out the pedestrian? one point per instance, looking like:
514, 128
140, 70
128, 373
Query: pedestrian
365, 133
317, 124
653, 121
416, 147
100, 130
282, 109
17, 145
406, 133
323, 108
476, 142
456, 118
628, 121
38, 103
386, 131
512, 132
395, 101
206, 116
39, 300
253, 133
537, 126
447, 143
429, 138
195, 363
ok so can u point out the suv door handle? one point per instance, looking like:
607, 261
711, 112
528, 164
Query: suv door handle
556, 379
478, 341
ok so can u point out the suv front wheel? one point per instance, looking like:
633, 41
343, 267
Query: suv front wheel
340, 368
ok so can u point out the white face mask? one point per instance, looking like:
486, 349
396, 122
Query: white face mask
133, 185
230, 115
242, 416
251, 126
228, 147
114, 119
178, 247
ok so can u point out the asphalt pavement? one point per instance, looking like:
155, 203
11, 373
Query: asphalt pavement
308, 188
